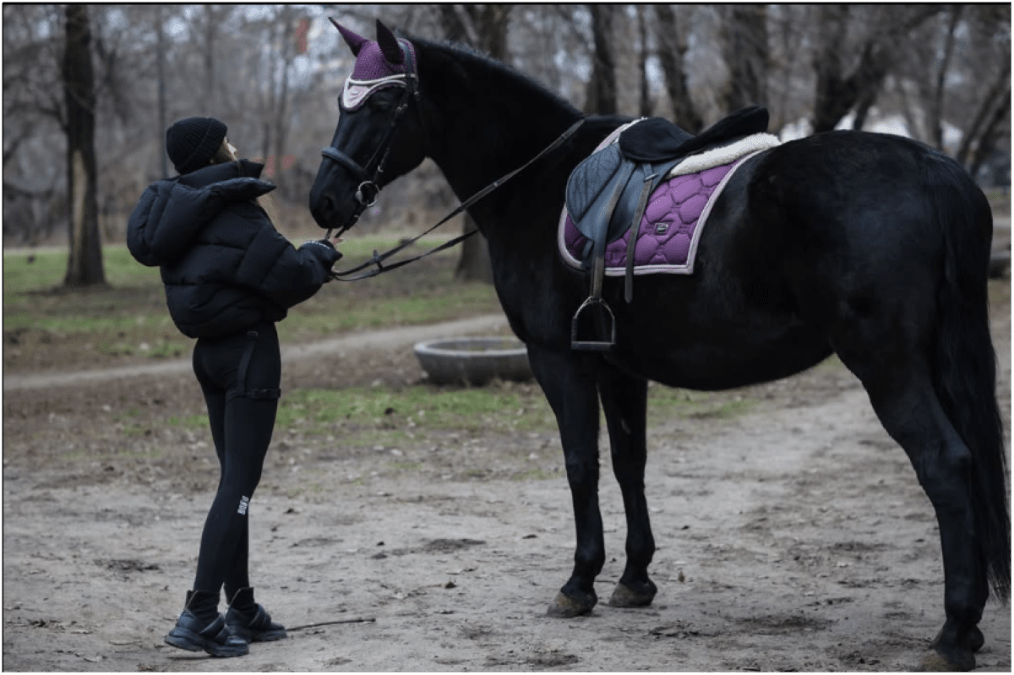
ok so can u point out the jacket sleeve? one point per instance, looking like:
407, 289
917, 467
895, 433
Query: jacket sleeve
164, 222
170, 213
137, 229
282, 273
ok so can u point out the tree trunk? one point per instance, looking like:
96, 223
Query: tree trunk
838, 92
670, 54
84, 264
991, 135
288, 23
644, 105
484, 27
834, 97
601, 98
160, 67
972, 134
745, 46
936, 109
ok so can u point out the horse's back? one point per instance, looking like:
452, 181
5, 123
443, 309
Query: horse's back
853, 214
852, 184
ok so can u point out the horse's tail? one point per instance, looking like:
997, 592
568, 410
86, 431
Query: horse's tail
965, 376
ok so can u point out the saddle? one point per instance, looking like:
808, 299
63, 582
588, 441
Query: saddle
607, 194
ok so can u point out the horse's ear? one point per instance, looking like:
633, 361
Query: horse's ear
355, 42
389, 46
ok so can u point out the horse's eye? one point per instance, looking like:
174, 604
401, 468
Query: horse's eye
378, 104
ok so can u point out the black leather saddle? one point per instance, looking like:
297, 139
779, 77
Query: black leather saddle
607, 194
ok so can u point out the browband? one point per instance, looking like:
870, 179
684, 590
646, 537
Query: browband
356, 92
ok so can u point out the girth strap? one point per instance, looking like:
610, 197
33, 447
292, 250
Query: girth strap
635, 229
597, 226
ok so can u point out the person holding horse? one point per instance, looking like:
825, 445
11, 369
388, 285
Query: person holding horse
229, 276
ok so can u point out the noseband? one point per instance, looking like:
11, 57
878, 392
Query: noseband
369, 178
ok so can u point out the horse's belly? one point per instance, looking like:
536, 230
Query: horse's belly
713, 365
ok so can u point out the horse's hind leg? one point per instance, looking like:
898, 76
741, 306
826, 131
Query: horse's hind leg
624, 401
569, 383
903, 397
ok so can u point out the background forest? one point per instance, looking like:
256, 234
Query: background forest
89, 89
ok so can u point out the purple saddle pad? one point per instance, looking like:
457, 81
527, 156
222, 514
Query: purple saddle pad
670, 228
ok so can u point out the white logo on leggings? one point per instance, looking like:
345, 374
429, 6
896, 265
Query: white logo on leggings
244, 502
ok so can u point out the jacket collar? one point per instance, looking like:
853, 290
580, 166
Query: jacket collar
216, 173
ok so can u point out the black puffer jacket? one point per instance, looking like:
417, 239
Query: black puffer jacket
224, 265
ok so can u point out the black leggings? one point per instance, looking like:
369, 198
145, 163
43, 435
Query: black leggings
239, 375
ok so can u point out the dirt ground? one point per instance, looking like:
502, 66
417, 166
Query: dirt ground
791, 538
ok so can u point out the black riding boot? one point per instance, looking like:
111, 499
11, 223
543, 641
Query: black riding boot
250, 621
194, 633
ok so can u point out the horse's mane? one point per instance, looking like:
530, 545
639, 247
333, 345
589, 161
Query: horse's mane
504, 74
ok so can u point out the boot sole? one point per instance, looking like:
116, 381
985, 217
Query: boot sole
192, 642
254, 636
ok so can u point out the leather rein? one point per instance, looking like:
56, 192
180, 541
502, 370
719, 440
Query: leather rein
369, 190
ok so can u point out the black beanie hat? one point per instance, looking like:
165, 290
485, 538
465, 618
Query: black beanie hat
192, 142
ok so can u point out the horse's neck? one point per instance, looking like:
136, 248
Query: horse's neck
489, 121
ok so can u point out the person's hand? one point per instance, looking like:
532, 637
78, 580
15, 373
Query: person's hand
326, 243
330, 253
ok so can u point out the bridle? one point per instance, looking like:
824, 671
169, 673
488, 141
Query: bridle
369, 189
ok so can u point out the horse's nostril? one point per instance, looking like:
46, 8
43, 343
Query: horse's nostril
326, 205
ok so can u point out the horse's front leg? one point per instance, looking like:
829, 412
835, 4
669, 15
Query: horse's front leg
569, 383
625, 402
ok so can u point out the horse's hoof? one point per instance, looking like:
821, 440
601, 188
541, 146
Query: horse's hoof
935, 662
565, 607
974, 640
625, 596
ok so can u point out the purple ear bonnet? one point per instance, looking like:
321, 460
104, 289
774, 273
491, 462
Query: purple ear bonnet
378, 66
372, 65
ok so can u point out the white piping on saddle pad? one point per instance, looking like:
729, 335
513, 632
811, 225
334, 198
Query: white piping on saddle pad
725, 154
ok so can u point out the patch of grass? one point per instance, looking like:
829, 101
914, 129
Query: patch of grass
365, 414
41, 271
128, 316
189, 422
369, 416
665, 403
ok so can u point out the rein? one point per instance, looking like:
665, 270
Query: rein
379, 258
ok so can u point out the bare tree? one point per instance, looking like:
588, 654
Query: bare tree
644, 100
483, 27
745, 49
283, 54
844, 83
935, 110
33, 182
671, 52
987, 109
84, 265
946, 67
602, 99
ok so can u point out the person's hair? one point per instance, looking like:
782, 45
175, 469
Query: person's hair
223, 154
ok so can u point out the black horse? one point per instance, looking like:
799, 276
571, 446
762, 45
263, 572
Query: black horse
868, 246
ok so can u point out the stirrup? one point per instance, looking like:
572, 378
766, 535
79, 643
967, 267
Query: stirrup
597, 345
